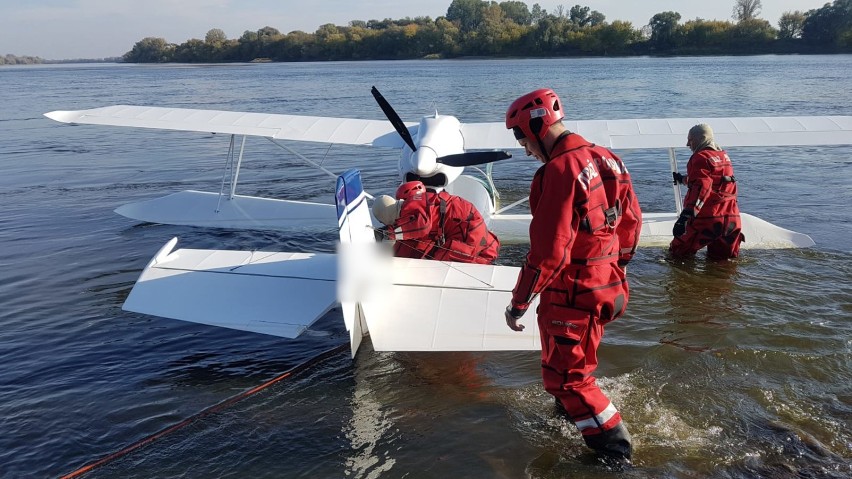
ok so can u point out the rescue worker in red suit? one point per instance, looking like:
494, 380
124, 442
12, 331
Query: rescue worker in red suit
710, 215
585, 228
435, 225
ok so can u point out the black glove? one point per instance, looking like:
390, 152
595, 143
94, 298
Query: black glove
677, 177
381, 234
512, 316
680, 225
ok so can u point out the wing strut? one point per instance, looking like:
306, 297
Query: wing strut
235, 171
675, 185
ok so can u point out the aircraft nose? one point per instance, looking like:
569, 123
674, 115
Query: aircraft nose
424, 161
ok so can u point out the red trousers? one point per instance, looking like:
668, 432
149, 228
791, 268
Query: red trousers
720, 234
571, 318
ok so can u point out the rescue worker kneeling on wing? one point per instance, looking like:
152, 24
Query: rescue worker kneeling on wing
435, 225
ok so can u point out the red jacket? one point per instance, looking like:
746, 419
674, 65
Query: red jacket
712, 191
575, 200
619, 193
443, 227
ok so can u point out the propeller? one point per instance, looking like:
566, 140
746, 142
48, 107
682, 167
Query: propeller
458, 159
474, 158
395, 120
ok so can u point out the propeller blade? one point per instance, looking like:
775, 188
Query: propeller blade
395, 120
474, 158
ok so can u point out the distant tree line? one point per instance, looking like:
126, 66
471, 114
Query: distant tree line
10, 59
511, 28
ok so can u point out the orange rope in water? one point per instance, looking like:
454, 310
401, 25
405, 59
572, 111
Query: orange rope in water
206, 412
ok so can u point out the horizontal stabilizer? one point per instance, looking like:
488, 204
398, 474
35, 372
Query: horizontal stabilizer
279, 294
439, 306
202, 209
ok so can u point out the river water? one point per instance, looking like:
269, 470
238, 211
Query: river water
733, 370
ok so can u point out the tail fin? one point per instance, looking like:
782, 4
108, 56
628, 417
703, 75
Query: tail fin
356, 243
353, 214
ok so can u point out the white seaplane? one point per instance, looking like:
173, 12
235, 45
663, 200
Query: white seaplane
449, 306
436, 150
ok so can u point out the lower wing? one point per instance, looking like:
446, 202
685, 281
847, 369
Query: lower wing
419, 305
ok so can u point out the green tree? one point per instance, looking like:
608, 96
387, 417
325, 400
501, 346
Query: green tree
331, 42
829, 25
664, 28
150, 50
752, 34
585, 17
596, 18
517, 12
746, 9
468, 13
614, 38
449, 37
701, 34
266, 38
579, 15
496, 34
790, 25
537, 13
215, 36
192, 51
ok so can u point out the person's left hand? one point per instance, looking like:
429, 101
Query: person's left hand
512, 321
677, 177
680, 225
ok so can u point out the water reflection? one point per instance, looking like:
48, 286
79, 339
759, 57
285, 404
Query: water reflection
702, 306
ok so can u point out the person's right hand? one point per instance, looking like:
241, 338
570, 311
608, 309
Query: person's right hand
677, 177
512, 321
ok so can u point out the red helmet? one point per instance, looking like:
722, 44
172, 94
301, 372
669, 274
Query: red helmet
532, 114
410, 189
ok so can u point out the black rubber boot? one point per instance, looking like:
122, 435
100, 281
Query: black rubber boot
613, 444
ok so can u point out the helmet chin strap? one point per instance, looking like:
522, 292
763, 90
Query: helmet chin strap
544, 153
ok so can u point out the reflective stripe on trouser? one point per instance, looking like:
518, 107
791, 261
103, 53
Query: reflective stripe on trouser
571, 321
607, 419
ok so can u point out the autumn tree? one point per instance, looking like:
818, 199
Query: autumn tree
150, 50
468, 13
664, 29
584, 16
790, 25
746, 9
706, 34
517, 12
215, 36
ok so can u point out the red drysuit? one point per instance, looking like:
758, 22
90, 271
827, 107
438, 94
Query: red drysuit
577, 238
443, 227
712, 199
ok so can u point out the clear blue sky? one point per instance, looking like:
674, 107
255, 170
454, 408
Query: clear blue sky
65, 29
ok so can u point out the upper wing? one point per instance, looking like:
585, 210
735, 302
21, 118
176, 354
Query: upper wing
349, 131
617, 134
671, 133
